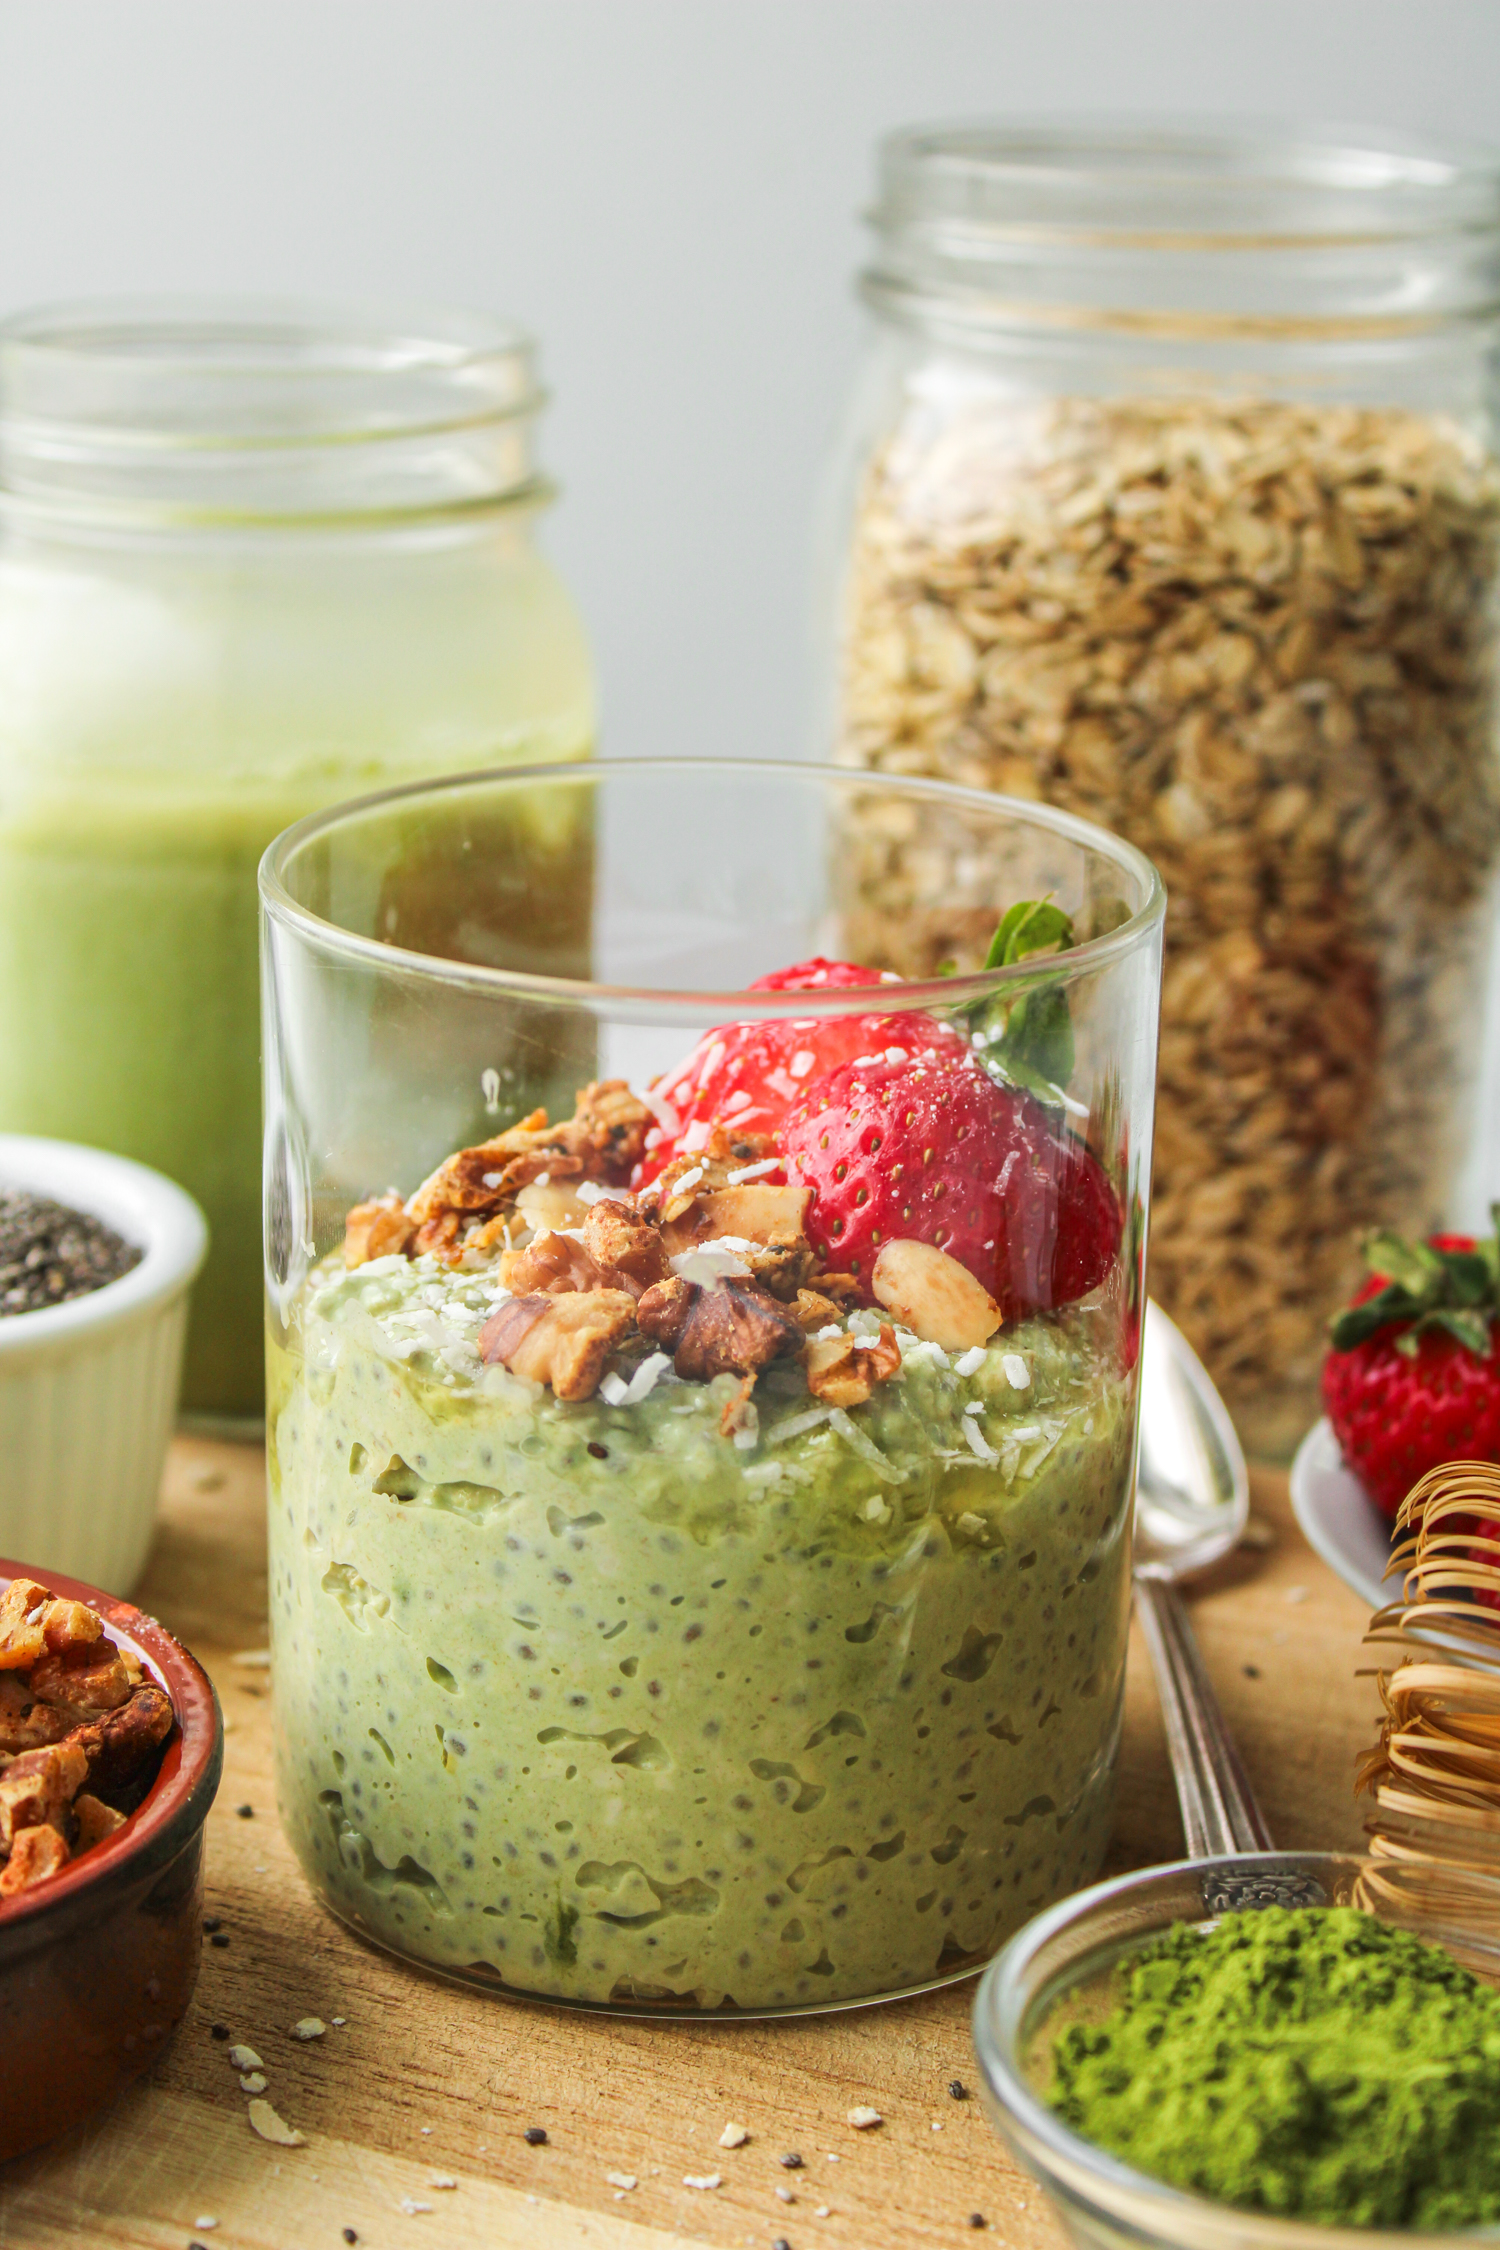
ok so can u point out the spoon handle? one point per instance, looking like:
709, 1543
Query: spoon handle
1219, 1812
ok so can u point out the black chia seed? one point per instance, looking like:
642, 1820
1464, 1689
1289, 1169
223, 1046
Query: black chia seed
978, 2219
350, 2235
781, 2243
49, 1253
536, 2135
220, 1938
791, 2160
245, 1812
219, 2031
958, 2089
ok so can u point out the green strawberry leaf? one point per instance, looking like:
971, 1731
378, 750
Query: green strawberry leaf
1027, 1038
1426, 1290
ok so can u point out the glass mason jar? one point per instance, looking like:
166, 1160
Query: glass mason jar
692, 1585
252, 560
1171, 498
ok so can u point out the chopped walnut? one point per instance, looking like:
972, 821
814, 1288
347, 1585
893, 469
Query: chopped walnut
629, 1253
733, 1328
813, 1310
36, 1853
843, 1370
664, 1308
378, 1229
79, 1713
26, 1723
39, 1786
86, 1690
118, 1745
23, 1611
549, 1265
602, 1140
93, 1820
562, 1340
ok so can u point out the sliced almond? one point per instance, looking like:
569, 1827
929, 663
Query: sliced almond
933, 1295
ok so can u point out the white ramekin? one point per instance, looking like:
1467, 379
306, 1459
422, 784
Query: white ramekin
88, 1389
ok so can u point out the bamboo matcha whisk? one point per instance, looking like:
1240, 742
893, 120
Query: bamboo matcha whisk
1434, 1773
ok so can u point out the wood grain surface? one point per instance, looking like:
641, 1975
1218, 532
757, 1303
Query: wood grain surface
427, 2081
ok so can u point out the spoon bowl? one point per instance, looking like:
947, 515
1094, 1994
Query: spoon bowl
1192, 1493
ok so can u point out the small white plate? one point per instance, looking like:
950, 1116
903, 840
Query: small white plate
1339, 1519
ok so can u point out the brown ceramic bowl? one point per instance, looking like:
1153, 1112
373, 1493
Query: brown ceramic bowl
98, 1965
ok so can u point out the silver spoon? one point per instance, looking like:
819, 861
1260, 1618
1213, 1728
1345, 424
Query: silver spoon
1191, 1506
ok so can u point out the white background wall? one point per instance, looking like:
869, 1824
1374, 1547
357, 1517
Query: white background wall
666, 191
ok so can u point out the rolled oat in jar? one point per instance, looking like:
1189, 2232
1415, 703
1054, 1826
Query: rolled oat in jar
1189, 533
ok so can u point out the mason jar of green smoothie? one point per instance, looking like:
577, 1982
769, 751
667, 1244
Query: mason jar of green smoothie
253, 560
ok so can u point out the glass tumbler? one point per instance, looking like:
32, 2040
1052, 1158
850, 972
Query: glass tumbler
702, 1390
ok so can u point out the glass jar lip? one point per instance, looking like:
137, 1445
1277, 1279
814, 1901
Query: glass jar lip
1116, 178
693, 1006
1201, 232
232, 414
264, 371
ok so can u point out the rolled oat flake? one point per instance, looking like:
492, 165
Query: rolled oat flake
49, 1253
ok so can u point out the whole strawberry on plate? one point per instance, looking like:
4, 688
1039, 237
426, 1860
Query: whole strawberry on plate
1413, 1378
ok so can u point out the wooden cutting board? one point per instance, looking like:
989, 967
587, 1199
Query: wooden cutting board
425, 2081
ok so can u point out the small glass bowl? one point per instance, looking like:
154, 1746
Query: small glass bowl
1055, 1970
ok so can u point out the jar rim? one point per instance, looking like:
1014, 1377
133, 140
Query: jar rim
334, 941
1315, 231
1117, 176
230, 409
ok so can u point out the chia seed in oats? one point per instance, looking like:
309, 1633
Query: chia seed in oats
49, 1254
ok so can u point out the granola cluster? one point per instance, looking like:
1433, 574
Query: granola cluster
1258, 640
80, 1730
709, 1265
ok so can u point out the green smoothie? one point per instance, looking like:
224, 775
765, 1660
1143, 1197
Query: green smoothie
592, 1701
164, 713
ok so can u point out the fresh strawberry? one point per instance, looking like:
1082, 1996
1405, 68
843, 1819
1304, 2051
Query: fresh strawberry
748, 1075
927, 1146
1413, 1378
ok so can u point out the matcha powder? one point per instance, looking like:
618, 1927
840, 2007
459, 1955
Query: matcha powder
1315, 2065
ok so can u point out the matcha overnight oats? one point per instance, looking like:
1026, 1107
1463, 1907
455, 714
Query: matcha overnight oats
700, 1524
777, 1667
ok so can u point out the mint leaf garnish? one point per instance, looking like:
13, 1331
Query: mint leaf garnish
1027, 1038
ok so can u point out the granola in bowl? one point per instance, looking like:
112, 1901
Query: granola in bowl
81, 1733
700, 1528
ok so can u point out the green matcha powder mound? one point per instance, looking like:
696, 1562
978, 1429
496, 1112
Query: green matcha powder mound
1314, 2065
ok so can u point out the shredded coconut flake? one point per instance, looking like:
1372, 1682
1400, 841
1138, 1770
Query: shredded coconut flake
897, 1055
698, 1135
971, 1362
711, 1062
624, 2181
736, 1102
594, 1191
661, 1109
702, 2180
802, 1062
613, 1389
645, 1379
708, 1262
865, 1447
979, 1444
690, 1179
754, 1171
1017, 1373
796, 1424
